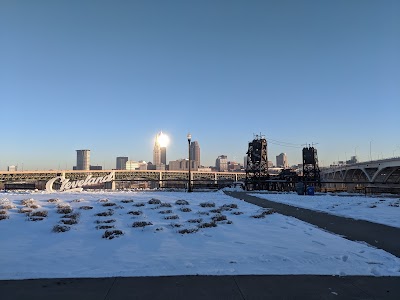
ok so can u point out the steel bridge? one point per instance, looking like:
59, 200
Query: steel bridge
376, 173
158, 176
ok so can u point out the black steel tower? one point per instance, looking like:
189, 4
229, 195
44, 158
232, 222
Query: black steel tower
311, 174
257, 164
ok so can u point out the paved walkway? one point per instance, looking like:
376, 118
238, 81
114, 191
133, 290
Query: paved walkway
378, 235
204, 287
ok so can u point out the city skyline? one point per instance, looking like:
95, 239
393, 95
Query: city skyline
107, 77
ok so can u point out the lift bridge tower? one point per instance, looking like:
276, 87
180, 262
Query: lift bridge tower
257, 164
311, 173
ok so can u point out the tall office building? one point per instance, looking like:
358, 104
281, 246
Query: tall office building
195, 152
221, 163
160, 150
281, 161
121, 162
82, 159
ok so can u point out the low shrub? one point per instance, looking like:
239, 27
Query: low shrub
3, 217
107, 213
207, 204
61, 228
187, 230
154, 201
85, 207
173, 217
69, 221
219, 218
42, 213
185, 209
181, 202
195, 220
127, 201
105, 226
141, 224
135, 212
207, 225
105, 221
110, 234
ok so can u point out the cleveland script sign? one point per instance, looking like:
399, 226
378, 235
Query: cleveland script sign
77, 186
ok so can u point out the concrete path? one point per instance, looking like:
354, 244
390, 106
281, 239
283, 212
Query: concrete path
378, 235
204, 287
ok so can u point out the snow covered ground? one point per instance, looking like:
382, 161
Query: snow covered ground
375, 209
241, 244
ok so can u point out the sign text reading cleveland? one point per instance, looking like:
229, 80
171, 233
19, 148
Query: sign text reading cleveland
77, 186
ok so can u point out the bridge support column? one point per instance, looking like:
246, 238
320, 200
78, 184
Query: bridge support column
215, 178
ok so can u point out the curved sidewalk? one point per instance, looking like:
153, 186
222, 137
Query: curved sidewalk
377, 235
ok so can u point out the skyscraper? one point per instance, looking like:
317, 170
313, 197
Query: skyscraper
121, 162
221, 163
195, 152
160, 150
82, 159
281, 161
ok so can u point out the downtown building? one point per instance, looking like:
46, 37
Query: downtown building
82, 160
159, 154
195, 152
221, 163
121, 163
281, 161
182, 165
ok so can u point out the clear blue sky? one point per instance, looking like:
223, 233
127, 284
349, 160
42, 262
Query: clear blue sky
108, 75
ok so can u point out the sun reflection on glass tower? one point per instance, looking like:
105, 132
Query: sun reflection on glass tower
160, 150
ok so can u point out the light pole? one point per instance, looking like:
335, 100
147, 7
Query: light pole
189, 137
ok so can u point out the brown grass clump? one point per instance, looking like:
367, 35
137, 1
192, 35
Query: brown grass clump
181, 202
103, 200
72, 216
107, 213
3, 217
173, 217
194, 220
127, 201
187, 230
3, 212
219, 218
64, 209
237, 213
61, 228
28, 202
135, 212
7, 206
34, 219
207, 204
175, 225
207, 225
53, 200
105, 221
202, 213
109, 204
85, 207
154, 201
105, 226
185, 209
77, 200
141, 224
232, 206
110, 234
168, 211
139, 204
263, 214
216, 211
165, 205
69, 221
42, 213
25, 210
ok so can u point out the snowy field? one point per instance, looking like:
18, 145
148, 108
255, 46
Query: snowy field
375, 209
156, 233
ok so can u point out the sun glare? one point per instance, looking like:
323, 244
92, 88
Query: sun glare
163, 140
